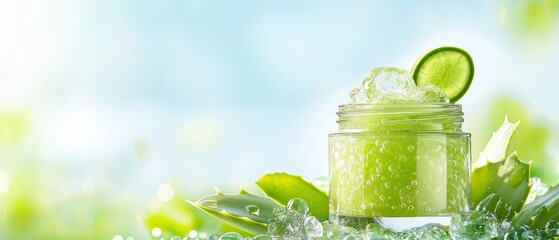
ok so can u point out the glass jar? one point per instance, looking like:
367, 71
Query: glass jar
400, 165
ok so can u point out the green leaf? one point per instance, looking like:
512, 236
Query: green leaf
283, 187
496, 148
494, 174
508, 178
495, 204
532, 138
538, 212
175, 218
243, 210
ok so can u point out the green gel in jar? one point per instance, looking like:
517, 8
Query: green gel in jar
402, 164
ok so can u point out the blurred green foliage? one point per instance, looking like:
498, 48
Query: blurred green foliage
13, 126
39, 200
530, 17
33, 211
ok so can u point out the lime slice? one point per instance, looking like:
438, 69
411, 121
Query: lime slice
449, 68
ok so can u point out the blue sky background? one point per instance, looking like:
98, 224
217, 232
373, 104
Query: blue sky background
136, 94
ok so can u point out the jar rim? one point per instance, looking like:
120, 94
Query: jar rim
399, 107
400, 116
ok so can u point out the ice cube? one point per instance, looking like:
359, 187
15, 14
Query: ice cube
351, 236
298, 205
389, 79
335, 231
393, 85
427, 232
551, 230
537, 188
432, 94
262, 237
522, 232
378, 229
358, 95
312, 227
279, 222
473, 225
231, 236
289, 222
374, 236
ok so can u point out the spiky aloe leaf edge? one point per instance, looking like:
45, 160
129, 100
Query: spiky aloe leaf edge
243, 210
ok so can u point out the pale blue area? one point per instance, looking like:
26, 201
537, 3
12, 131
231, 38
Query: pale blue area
266, 77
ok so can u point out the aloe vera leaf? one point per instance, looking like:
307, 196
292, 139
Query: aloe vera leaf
543, 209
175, 218
496, 148
243, 210
508, 178
283, 187
495, 204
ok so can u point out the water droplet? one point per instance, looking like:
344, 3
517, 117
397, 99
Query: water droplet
231, 236
411, 148
253, 209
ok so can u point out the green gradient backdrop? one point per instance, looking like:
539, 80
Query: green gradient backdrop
108, 108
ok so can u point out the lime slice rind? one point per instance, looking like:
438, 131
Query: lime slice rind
450, 68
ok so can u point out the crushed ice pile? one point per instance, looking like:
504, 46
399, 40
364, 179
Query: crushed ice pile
294, 222
394, 85
537, 189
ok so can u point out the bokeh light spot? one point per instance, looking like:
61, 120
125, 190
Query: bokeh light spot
193, 234
118, 237
156, 232
4, 183
165, 193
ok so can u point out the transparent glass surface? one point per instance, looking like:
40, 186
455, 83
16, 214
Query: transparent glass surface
379, 175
